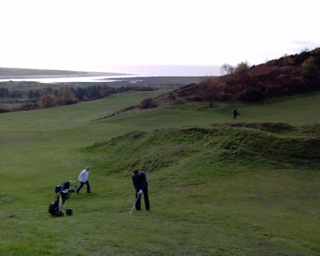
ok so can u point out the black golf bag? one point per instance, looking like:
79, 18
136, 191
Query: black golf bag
63, 192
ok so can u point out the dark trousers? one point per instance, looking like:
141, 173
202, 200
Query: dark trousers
146, 199
81, 185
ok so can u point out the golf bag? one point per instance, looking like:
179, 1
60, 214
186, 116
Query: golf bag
63, 192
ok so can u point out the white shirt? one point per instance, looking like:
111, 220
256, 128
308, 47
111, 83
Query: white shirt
83, 176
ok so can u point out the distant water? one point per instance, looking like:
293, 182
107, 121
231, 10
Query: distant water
133, 71
164, 70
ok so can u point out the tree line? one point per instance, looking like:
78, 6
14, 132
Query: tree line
62, 95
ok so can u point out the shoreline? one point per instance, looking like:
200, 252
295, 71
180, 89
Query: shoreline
112, 71
112, 78
59, 75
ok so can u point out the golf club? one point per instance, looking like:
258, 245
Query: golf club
134, 204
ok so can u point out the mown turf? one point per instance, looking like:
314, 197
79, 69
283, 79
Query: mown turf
218, 186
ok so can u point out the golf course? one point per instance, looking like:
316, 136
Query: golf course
217, 185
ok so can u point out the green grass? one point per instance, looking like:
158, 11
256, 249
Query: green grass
218, 186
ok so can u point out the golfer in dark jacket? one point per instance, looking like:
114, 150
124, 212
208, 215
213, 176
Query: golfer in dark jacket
140, 184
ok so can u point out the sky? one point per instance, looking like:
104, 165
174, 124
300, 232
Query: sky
88, 35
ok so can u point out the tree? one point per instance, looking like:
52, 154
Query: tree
242, 67
226, 69
66, 96
4, 93
31, 94
209, 91
48, 100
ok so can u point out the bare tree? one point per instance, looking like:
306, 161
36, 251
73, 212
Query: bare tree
209, 91
226, 69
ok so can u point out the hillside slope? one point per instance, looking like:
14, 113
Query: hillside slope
218, 186
288, 75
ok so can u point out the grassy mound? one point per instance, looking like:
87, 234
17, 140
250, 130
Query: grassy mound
240, 143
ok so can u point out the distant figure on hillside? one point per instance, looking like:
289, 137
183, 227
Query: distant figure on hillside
140, 183
235, 113
84, 179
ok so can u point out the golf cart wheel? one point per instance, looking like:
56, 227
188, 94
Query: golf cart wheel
60, 214
69, 211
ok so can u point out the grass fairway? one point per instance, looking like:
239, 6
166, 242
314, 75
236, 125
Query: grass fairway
218, 186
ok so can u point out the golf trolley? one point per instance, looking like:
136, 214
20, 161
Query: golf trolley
63, 192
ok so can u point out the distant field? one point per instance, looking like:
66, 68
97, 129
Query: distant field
218, 186
21, 89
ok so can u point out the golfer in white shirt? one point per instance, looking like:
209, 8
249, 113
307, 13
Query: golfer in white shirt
84, 179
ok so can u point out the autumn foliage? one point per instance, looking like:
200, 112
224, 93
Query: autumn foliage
289, 75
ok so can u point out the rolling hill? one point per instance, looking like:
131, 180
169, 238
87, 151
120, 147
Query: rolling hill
289, 75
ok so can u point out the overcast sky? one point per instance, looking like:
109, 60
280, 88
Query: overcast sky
90, 34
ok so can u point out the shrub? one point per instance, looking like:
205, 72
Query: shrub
148, 103
48, 100
310, 68
4, 109
242, 67
251, 95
